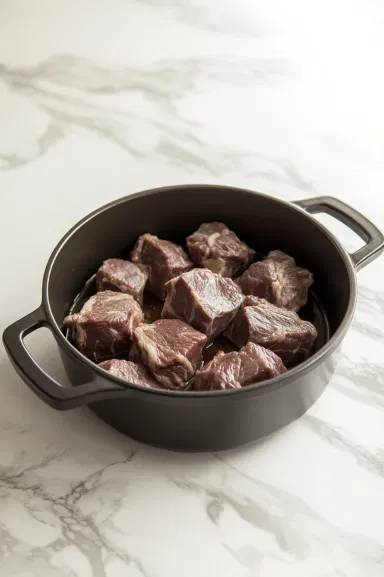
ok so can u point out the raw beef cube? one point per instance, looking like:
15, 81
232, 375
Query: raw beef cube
105, 324
162, 260
205, 300
132, 372
278, 280
171, 349
123, 276
216, 247
238, 369
275, 328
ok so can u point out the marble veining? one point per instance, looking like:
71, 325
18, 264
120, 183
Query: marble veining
100, 100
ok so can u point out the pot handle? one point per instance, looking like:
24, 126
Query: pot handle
47, 388
363, 227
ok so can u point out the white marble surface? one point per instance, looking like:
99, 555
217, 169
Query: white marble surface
102, 98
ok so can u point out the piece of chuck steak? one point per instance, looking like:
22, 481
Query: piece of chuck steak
162, 261
171, 349
278, 280
234, 370
218, 248
123, 276
275, 328
132, 372
104, 326
205, 300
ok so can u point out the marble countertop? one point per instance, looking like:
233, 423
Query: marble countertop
100, 99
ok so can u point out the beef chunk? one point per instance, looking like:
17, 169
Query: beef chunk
205, 300
123, 276
216, 247
171, 349
278, 280
105, 324
275, 328
133, 372
238, 369
162, 260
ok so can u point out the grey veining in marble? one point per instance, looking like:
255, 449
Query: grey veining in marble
102, 99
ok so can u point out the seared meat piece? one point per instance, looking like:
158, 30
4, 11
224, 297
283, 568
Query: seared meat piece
275, 328
123, 276
216, 247
105, 324
205, 300
238, 369
162, 260
278, 280
132, 372
171, 349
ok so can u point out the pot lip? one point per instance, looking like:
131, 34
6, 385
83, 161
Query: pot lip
259, 388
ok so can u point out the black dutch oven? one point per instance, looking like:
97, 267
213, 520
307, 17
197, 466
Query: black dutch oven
197, 421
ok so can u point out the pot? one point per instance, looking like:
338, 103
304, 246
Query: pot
197, 421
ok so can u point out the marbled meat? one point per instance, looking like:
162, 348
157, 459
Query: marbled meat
205, 300
275, 328
171, 350
234, 370
105, 324
278, 280
162, 260
218, 248
123, 276
132, 372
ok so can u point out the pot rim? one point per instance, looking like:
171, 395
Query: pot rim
262, 387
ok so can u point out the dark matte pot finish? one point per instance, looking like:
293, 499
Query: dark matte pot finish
196, 421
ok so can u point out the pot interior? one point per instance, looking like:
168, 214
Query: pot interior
263, 222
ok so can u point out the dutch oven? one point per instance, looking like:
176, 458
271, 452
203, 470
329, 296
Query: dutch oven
187, 420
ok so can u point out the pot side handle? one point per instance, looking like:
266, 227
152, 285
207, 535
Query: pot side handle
363, 227
44, 386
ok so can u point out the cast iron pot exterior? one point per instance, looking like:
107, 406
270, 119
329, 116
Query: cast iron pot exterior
196, 421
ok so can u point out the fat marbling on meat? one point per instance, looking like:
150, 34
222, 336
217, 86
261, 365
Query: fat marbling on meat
105, 324
216, 247
132, 372
237, 369
171, 349
205, 300
278, 280
122, 276
275, 328
162, 260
